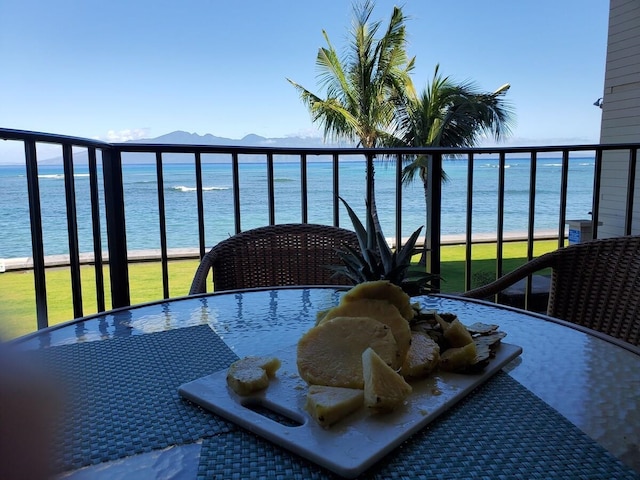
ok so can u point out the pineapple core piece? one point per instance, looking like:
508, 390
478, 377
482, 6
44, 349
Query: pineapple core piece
382, 290
250, 374
327, 405
455, 332
423, 356
384, 389
380, 310
331, 353
458, 359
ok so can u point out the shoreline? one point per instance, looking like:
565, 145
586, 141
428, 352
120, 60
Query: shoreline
151, 255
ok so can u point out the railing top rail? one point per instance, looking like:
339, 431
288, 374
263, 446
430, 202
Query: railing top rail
13, 134
190, 148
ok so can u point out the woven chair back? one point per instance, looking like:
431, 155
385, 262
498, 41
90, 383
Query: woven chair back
275, 255
595, 284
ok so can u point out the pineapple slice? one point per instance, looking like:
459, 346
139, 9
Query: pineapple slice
384, 389
384, 312
455, 332
327, 405
382, 290
250, 374
423, 356
458, 359
331, 353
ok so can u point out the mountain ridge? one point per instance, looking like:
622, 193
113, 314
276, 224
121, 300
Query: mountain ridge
181, 137
249, 140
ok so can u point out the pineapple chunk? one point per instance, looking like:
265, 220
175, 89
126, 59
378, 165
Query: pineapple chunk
331, 353
455, 332
384, 389
457, 359
250, 374
382, 290
327, 405
423, 356
384, 312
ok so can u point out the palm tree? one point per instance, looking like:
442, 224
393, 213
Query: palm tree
356, 105
448, 114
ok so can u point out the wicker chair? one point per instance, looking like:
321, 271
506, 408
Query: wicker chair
276, 255
595, 284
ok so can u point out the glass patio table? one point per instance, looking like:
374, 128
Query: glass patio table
567, 407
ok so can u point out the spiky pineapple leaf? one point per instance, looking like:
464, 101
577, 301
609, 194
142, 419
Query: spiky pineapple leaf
406, 252
342, 271
361, 232
350, 269
386, 255
354, 259
376, 260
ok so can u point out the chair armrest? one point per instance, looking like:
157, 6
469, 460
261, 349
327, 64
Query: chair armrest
544, 261
199, 284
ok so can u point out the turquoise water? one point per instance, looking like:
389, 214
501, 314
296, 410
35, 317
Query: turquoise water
141, 200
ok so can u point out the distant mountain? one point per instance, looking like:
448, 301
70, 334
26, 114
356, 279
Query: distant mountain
180, 137
251, 140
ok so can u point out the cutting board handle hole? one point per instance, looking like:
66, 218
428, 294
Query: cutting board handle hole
273, 413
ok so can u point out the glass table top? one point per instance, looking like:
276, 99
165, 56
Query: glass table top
591, 382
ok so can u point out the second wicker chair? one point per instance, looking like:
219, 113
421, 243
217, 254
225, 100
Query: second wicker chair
275, 255
595, 284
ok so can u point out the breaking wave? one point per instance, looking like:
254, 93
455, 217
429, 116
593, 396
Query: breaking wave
182, 188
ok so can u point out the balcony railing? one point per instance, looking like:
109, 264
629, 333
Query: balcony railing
105, 198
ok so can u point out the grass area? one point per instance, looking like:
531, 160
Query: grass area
17, 295
483, 265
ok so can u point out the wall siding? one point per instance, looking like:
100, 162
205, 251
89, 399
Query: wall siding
620, 116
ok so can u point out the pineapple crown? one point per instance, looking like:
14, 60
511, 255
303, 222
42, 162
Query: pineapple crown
376, 260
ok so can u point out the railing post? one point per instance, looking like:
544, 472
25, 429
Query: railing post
72, 229
469, 224
370, 195
432, 234
37, 244
631, 190
116, 227
304, 196
597, 181
95, 221
336, 189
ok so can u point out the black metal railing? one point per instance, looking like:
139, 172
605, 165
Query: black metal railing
106, 160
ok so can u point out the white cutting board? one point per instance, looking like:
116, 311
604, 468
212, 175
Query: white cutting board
355, 443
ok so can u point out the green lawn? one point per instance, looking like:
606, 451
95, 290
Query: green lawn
17, 298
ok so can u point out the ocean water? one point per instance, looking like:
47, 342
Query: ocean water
141, 200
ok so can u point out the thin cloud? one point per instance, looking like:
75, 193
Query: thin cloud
126, 135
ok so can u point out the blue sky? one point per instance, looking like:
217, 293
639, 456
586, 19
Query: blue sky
139, 69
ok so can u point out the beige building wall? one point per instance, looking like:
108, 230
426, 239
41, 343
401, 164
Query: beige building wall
620, 115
